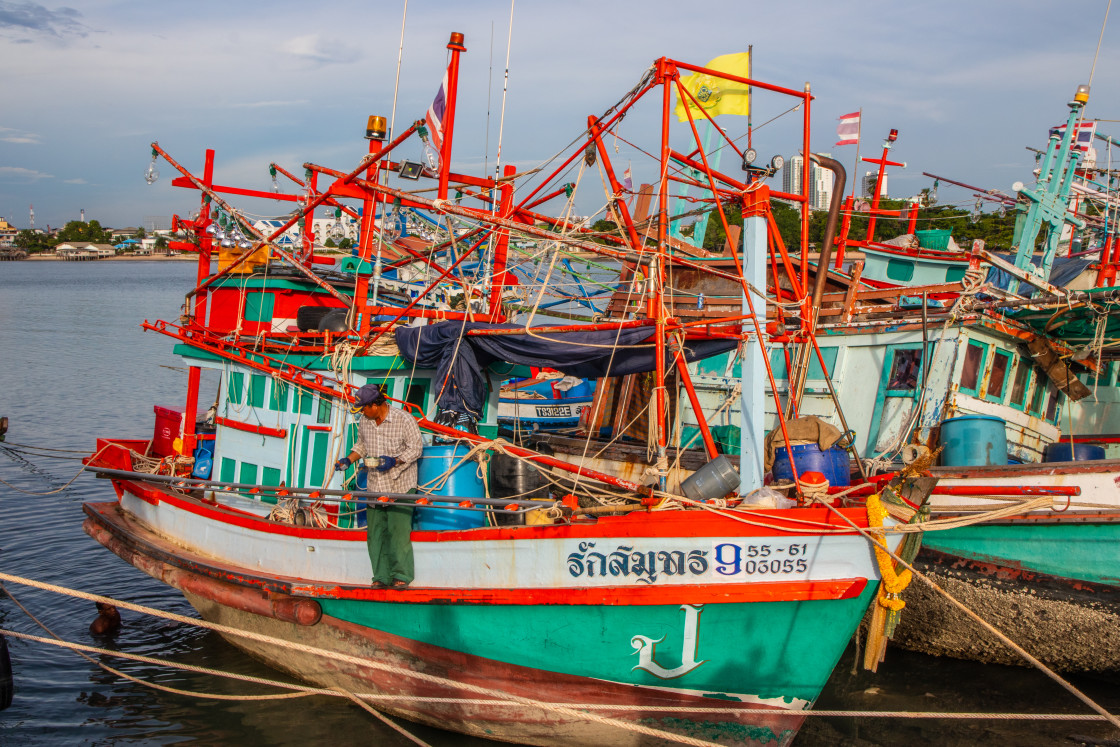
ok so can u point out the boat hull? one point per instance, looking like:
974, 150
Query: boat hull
660, 656
1049, 579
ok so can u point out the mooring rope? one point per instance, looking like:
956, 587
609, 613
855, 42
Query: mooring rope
563, 710
299, 690
1066, 684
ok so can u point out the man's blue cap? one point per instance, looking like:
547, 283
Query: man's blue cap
370, 394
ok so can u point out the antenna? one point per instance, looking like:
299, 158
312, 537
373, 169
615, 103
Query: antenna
32, 217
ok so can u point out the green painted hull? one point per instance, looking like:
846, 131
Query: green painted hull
1080, 551
779, 652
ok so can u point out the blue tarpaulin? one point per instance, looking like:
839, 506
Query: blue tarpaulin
460, 359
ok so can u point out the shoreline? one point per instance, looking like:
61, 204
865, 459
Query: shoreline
153, 258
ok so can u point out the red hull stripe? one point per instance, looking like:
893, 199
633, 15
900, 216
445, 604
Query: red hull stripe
109, 520
776, 523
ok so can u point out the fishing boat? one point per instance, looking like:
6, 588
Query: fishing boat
988, 368
548, 403
639, 598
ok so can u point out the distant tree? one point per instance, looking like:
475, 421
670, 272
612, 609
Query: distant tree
345, 243
91, 231
330, 243
161, 242
32, 242
140, 233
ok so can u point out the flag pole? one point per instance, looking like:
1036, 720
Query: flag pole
750, 93
855, 169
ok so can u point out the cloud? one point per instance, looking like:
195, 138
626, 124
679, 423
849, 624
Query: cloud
33, 17
79, 180
17, 174
9, 135
321, 51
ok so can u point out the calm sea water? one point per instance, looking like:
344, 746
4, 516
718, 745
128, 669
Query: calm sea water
74, 364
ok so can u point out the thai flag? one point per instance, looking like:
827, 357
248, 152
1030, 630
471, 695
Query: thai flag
434, 117
848, 131
1082, 135
627, 180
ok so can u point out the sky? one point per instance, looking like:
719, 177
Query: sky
88, 86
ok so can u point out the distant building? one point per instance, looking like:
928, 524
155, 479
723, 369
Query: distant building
7, 234
869, 184
84, 250
820, 182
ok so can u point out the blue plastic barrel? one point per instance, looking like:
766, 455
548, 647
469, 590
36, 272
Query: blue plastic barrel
1061, 452
973, 441
833, 463
464, 482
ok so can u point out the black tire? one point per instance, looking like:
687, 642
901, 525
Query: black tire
335, 321
308, 317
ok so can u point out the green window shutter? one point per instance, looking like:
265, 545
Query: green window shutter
304, 399
228, 471
235, 392
258, 307
900, 270
270, 476
279, 399
248, 474
256, 390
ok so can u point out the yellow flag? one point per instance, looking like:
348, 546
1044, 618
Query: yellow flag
717, 95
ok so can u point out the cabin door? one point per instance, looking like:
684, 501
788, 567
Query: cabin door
900, 384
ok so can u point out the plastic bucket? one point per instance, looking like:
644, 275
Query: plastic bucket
833, 463
973, 441
715, 479
203, 459
464, 482
1061, 452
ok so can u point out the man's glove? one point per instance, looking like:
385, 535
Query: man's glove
342, 464
386, 463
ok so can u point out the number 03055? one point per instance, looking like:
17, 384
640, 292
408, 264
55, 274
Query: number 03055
761, 559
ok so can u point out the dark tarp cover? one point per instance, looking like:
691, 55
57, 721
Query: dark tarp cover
460, 359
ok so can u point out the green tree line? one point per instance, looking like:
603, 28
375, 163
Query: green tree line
34, 242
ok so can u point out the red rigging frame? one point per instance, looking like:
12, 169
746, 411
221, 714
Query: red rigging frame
500, 216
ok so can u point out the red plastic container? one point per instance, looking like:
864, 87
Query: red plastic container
169, 426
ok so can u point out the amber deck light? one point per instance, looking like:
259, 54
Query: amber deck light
375, 128
1082, 95
456, 38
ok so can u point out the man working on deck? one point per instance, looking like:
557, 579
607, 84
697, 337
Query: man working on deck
389, 443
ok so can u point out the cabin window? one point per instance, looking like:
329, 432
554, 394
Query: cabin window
1038, 396
900, 270
325, 405
1052, 403
1019, 385
235, 392
905, 370
418, 394
256, 390
955, 274
973, 366
997, 379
